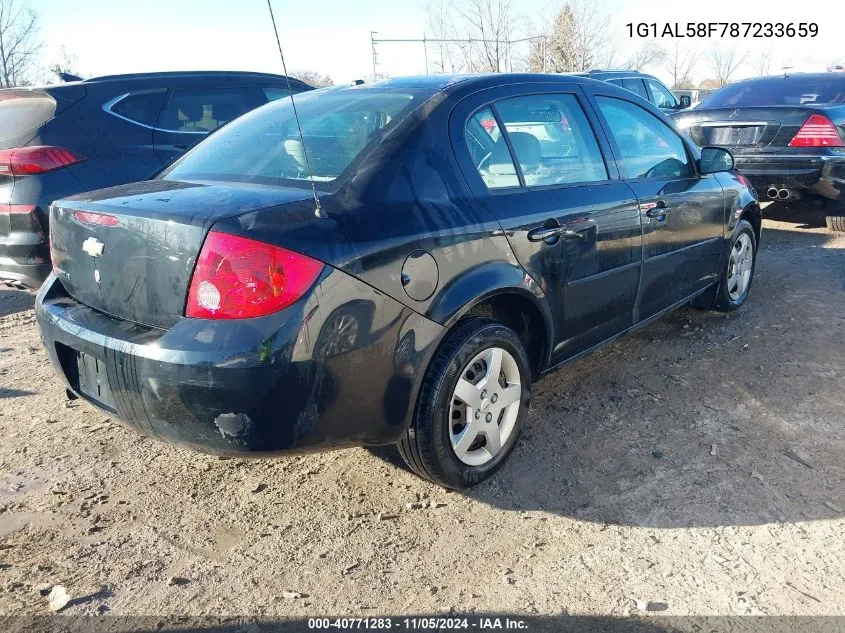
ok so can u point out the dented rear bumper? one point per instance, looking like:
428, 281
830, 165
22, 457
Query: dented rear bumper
341, 367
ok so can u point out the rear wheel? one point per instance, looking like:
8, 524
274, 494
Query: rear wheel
835, 212
738, 270
471, 406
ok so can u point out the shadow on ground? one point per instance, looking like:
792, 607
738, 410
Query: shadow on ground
14, 301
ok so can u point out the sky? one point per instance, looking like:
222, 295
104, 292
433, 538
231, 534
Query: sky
333, 36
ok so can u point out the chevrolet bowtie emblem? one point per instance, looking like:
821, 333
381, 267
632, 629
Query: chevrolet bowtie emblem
93, 247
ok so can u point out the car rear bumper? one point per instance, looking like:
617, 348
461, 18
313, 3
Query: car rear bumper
819, 175
253, 386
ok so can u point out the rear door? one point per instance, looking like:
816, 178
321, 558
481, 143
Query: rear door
682, 213
535, 161
192, 111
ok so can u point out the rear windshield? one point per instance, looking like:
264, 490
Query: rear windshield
788, 91
264, 146
22, 111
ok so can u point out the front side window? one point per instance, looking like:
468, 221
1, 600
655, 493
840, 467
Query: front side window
265, 146
205, 110
649, 148
489, 151
660, 95
552, 140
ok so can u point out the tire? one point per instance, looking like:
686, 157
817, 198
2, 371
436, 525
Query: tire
836, 223
728, 298
428, 447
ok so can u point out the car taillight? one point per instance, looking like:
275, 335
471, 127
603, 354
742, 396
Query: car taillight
38, 159
238, 278
10, 209
97, 219
817, 131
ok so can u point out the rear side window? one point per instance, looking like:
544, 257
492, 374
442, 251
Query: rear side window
265, 146
636, 86
661, 97
795, 90
489, 151
552, 141
140, 107
22, 111
649, 147
205, 110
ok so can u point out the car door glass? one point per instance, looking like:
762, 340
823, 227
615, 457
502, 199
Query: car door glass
636, 86
140, 107
205, 110
662, 98
648, 147
489, 150
552, 140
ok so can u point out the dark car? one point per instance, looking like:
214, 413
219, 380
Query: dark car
60, 140
471, 234
648, 87
786, 134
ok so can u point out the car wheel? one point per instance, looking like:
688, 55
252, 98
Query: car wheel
738, 270
836, 222
471, 407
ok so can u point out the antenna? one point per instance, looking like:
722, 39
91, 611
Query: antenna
319, 210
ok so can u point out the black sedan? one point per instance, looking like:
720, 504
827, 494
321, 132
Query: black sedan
397, 266
787, 134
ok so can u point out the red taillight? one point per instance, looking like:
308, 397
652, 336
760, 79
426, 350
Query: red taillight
97, 219
16, 208
38, 159
238, 278
817, 131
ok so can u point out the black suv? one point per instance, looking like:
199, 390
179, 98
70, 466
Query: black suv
68, 138
648, 87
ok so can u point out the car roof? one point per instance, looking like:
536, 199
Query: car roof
613, 74
187, 74
830, 76
469, 82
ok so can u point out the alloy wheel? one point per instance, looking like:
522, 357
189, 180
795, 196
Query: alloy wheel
740, 266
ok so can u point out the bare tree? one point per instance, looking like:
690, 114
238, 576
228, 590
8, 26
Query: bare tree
441, 22
591, 32
725, 62
312, 78
19, 44
762, 63
649, 53
490, 26
66, 64
680, 62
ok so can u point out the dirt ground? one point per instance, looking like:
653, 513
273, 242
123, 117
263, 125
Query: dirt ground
697, 465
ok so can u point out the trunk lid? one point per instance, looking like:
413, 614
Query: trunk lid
129, 251
758, 129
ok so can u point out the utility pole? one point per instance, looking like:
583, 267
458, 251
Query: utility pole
373, 45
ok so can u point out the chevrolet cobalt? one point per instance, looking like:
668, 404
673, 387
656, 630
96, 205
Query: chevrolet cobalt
396, 264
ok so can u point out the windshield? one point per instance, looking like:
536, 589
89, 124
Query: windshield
789, 91
264, 146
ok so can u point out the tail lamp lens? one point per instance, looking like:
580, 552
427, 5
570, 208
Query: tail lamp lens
817, 131
239, 278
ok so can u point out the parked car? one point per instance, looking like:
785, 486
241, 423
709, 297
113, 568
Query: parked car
466, 241
73, 137
786, 133
648, 87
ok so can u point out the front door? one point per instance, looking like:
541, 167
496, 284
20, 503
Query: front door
682, 213
538, 166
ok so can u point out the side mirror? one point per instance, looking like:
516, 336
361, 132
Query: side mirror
685, 102
714, 160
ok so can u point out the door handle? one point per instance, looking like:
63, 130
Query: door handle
657, 211
543, 233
